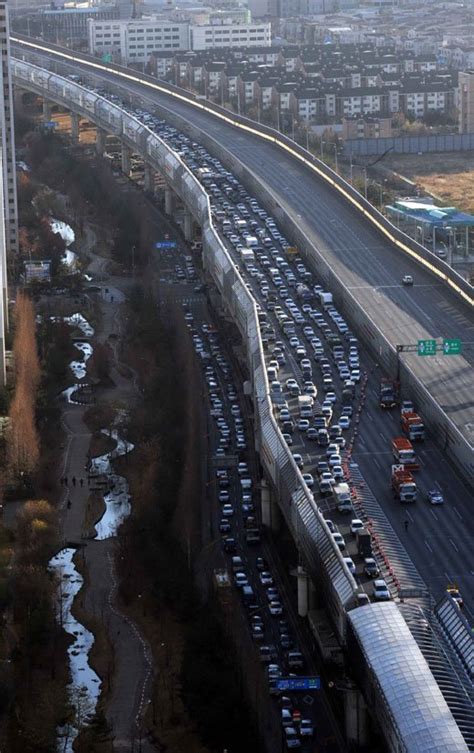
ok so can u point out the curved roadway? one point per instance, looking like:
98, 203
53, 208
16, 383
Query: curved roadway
370, 266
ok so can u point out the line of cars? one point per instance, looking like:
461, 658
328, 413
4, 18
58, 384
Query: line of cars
312, 335
274, 639
309, 347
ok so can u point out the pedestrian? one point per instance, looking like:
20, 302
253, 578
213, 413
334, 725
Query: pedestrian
81, 482
74, 481
406, 524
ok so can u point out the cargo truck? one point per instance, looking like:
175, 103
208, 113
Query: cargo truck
247, 256
403, 484
388, 395
364, 543
412, 426
342, 495
305, 405
325, 299
404, 453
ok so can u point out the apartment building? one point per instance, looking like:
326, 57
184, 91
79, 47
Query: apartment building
8, 138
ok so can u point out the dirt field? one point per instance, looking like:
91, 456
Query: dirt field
448, 177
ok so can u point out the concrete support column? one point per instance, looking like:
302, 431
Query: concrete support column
46, 110
75, 126
302, 592
169, 201
100, 141
265, 504
356, 719
149, 178
126, 156
188, 226
271, 515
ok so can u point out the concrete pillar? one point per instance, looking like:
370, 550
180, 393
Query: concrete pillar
149, 178
46, 110
188, 226
169, 201
356, 720
100, 141
265, 504
302, 592
126, 155
75, 126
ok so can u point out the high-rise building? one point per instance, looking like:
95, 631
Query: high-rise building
466, 101
7, 135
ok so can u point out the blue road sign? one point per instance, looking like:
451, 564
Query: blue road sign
298, 683
165, 244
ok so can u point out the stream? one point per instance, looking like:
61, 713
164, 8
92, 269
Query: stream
84, 688
85, 685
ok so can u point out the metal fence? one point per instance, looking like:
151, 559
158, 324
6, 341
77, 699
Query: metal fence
447, 142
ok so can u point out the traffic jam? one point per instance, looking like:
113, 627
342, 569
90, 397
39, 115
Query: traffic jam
317, 374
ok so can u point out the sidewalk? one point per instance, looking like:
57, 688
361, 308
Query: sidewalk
130, 683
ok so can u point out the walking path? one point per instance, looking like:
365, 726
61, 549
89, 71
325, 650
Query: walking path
131, 680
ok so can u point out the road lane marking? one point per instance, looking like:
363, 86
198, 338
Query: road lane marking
434, 514
453, 545
457, 512
428, 547
409, 516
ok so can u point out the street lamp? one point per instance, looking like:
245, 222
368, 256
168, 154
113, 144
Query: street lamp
335, 153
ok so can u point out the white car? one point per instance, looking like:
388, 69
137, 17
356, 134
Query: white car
344, 422
407, 280
334, 460
337, 472
339, 540
350, 564
227, 511
380, 591
356, 525
330, 397
355, 375
309, 479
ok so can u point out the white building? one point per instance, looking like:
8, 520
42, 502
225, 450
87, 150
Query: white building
230, 35
133, 41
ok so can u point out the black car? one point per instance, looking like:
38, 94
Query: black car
230, 545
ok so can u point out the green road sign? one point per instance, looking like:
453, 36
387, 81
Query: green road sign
426, 347
452, 347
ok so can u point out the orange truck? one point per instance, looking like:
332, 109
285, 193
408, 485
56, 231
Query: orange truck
412, 426
403, 484
404, 453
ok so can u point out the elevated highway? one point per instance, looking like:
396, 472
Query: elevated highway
317, 548
360, 256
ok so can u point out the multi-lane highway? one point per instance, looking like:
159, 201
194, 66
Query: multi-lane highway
437, 537
438, 556
370, 266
